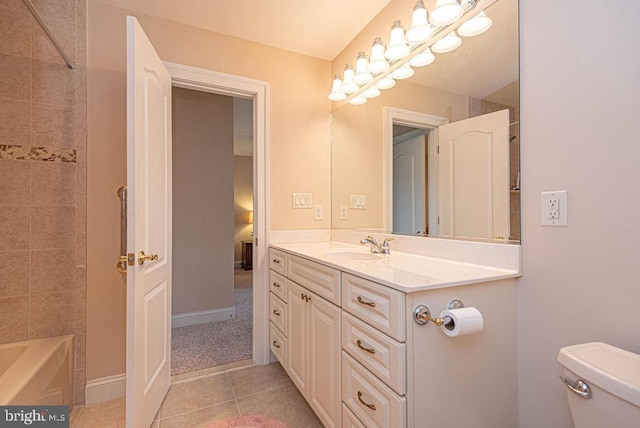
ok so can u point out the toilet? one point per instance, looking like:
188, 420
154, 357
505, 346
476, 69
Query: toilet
612, 378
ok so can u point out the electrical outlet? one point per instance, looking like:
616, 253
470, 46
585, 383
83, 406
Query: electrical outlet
344, 212
554, 208
318, 212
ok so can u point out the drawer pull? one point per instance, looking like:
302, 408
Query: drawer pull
364, 302
276, 312
276, 344
371, 406
369, 350
276, 261
275, 284
304, 297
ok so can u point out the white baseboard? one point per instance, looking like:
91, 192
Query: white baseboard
201, 317
104, 389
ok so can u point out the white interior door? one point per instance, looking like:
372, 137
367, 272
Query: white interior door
473, 177
409, 182
149, 228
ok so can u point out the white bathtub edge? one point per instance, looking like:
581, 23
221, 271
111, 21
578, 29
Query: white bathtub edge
105, 389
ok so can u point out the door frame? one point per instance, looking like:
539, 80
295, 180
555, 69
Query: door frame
204, 80
419, 120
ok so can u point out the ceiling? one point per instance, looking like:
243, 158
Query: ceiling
319, 29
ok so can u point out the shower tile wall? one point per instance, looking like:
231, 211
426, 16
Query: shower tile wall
43, 176
479, 107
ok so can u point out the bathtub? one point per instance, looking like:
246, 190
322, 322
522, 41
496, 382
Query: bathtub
37, 372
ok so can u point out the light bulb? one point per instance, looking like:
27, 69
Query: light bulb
447, 43
348, 85
385, 83
336, 93
371, 92
403, 72
445, 13
377, 63
397, 46
422, 59
421, 30
476, 25
357, 101
362, 75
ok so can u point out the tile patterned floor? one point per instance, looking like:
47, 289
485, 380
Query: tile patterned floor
194, 403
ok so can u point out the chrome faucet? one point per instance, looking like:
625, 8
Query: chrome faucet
375, 247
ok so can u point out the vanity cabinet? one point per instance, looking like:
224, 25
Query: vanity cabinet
359, 358
312, 358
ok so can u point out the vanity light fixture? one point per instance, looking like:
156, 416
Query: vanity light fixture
357, 101
421, 30
378, 63
336, 93
362, 75
403, 72
448, 43
385, 83
476, 25
446, 12
422, 59
428, 33
398, 47
349, 86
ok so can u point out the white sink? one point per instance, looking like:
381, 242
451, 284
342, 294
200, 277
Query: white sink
352, 254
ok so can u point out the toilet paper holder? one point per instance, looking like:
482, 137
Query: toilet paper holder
422, 314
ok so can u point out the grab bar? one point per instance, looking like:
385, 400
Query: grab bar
121, 266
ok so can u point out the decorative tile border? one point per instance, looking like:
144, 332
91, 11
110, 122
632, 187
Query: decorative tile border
44, 154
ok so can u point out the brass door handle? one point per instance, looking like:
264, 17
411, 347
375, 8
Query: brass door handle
142, 257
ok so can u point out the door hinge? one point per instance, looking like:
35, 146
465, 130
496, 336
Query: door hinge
438, 220
438, 149
256, 244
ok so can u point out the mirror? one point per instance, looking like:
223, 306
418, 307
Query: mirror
445, 104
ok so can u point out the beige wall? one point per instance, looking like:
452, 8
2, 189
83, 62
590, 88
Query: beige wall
579, 132
299, 128
243, 201
358, 147
202, 199
43, 176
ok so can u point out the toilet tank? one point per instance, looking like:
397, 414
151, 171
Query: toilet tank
613, 377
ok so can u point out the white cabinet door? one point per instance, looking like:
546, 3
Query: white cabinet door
324, 352
297, 350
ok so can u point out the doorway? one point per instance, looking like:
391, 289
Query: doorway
212, 305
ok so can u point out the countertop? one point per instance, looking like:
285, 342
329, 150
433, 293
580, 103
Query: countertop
402, 271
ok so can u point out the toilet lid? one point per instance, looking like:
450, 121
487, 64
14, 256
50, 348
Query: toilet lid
612, 369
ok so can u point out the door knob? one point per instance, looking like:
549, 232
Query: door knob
142, 257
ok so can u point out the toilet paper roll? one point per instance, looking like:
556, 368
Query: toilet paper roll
463, 321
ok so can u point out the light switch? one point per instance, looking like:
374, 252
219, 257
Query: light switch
301, 200
554, 208
358, 202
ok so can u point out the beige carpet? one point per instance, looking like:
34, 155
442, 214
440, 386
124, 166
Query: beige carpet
202, 346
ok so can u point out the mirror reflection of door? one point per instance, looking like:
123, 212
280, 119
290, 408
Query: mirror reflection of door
410, 180
473, 177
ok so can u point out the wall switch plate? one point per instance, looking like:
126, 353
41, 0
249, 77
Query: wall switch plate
554, 208
301, 200
318, 212
344, 212
358, 202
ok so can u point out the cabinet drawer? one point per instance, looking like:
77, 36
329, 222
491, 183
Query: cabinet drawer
278, 344
278, 285
375, 304
278, 261
322, 280
349, 420
381, 355
374, 403
278, 313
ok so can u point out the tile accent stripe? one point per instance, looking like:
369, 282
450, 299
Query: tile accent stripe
45, 154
